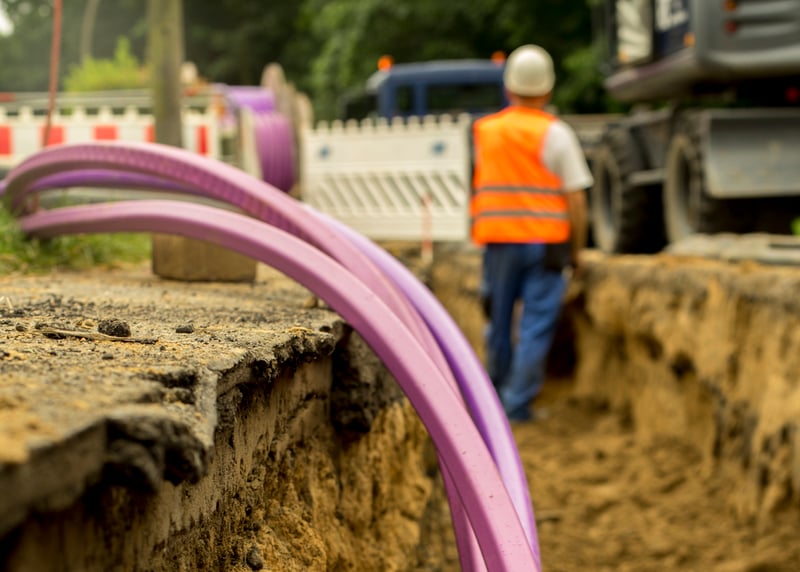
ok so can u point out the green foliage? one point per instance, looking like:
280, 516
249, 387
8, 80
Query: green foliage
325, 46
26, 51
19, 253
121, 72
580, 88
353, 34
232, 41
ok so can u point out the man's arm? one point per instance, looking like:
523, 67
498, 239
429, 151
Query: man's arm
576, 206
564, 156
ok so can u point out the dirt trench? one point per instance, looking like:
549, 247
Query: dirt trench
239, 427
669, 444
670, 441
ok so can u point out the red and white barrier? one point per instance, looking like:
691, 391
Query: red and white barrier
22, 133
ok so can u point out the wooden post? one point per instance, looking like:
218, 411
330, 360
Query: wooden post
165, 54
176, 257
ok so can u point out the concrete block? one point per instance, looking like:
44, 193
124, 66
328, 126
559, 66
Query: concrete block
179, 258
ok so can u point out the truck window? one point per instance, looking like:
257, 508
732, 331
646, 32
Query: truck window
634, 35
404, 100
358, 106
428, 88
475, 98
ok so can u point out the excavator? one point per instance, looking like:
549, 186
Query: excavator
711, 143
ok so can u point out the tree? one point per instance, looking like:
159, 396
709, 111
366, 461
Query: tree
26, 51
325, 46
122, 72
231, 41
354, 33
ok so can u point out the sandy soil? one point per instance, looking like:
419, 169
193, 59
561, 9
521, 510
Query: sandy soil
604, 501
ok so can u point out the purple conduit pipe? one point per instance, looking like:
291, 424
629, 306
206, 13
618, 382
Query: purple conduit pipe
219, 181
273, 135
475, 385
467, 551
478, 392
256, 98
275, 146
498, 531
106, 178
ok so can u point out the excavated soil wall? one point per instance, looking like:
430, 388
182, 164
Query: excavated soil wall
245, 427
703, 351
239, 427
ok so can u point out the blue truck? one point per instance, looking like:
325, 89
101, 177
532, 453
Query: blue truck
471, 86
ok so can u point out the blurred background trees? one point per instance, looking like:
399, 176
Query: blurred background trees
325, 46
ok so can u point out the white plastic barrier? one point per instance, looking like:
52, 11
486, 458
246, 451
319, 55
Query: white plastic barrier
391, 181
21, 133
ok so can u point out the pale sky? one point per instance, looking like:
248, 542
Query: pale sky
5, 25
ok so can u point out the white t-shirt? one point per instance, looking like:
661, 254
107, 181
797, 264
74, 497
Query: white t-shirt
563, 155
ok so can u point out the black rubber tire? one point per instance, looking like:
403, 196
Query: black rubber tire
688, 208
625, 218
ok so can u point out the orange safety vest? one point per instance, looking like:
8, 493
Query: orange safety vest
516, 198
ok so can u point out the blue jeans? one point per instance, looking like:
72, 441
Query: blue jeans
514, 272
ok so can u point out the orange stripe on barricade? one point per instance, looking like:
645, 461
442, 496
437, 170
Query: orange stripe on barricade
202, 139
6, 147
55, 137
105, 132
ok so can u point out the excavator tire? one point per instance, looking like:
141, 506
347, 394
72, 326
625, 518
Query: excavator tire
688, 208
625, 218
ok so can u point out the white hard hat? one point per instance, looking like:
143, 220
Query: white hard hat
529, 72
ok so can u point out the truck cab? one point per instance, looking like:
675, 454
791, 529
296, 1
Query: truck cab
661, 49
428, 88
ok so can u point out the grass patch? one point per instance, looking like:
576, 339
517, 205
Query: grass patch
19, 253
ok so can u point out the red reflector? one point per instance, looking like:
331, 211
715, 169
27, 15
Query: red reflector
731, 27
105, 133
5, 140
792, 94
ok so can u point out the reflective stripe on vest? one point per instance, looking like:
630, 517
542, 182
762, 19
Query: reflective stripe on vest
517, 199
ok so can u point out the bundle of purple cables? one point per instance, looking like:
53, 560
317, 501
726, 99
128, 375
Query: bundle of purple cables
397, 315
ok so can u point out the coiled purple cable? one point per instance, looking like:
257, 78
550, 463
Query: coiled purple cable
214, 179
469, 373
272, 133
461, 357
485, 500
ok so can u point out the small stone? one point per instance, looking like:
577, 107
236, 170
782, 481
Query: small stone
254, 559
114, 327
20, 328
185, 329
108, 356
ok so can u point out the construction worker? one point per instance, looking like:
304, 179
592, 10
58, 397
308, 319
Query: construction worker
529, 213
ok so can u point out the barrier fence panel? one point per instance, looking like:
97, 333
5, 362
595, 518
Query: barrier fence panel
400, 180
22, 131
